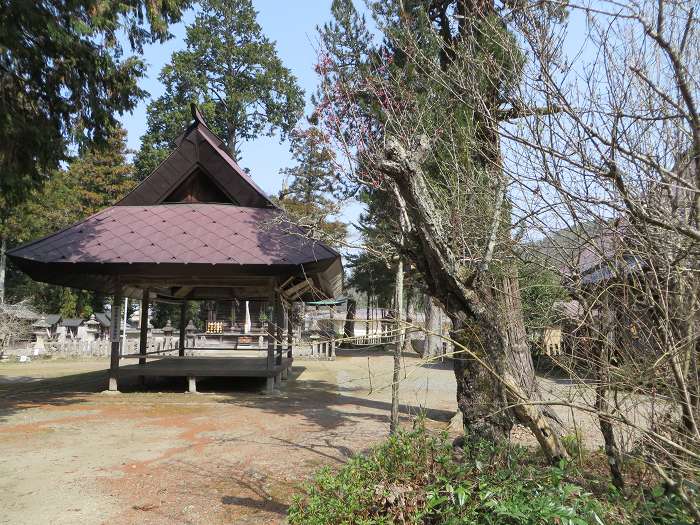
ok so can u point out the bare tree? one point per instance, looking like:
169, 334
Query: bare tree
615, 165
15, 323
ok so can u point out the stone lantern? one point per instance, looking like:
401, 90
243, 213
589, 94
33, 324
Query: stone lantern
92, 328
168, 333
190, 329
41, 334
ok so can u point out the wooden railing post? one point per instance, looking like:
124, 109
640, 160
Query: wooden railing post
279, 320
143, 339
115, 340
290, 332
183, 325
271, 333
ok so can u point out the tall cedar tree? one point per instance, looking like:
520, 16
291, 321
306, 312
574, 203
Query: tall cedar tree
231, 70
63, 76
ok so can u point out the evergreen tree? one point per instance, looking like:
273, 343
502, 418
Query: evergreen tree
308, 198
63, 76
231, 70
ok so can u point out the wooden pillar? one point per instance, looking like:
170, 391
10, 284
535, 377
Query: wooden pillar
183, 325
279, 321
114, 339
271, 332
288, 338
143, 339
290, 331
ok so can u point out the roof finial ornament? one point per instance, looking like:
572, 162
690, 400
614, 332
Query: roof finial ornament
196, 115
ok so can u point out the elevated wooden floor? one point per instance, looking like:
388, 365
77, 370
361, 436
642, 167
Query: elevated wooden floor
193, 367
201, 366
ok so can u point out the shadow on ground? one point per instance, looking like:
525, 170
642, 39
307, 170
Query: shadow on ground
320, 402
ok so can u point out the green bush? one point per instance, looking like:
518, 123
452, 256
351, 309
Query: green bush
418, 477
662, 508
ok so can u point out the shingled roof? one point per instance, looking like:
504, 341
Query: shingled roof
198, 217
180, 233
199, 155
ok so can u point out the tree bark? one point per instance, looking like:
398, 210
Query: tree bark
398, 347
492, 373
432, 344
3, 263
602, 405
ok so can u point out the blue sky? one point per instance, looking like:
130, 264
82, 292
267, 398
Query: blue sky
292, 25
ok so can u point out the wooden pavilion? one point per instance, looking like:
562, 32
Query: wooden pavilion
197, 228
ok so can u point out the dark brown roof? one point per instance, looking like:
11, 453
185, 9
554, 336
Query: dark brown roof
198, 227
180, 233
196, 245
198, 149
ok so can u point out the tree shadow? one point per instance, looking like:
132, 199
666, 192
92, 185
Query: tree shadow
333, 416
243, 487
374, 351
327, 406
318, 402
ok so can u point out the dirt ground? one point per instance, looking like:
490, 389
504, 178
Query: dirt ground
71, 454
231, 454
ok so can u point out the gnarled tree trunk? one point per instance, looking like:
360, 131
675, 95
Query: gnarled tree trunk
494, 373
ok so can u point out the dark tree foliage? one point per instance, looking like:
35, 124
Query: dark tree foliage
63, 76
231, 70
161, 313
91, 182
311, 185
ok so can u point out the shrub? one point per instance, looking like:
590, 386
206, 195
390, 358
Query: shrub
418, 477
660, 507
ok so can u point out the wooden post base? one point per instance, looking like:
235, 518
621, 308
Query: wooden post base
285, 374
270, 385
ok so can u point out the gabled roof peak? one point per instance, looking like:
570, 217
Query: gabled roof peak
198, 149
